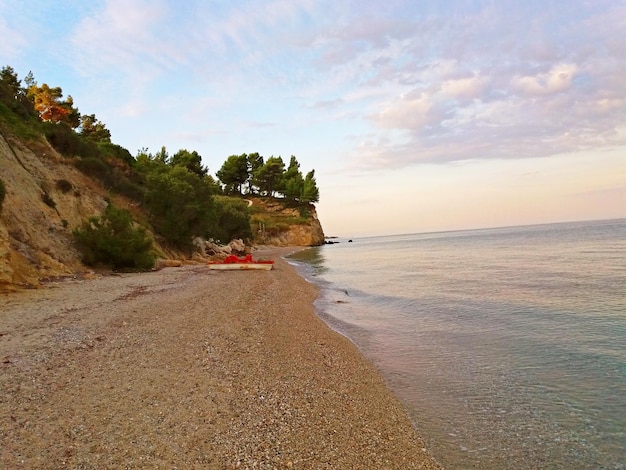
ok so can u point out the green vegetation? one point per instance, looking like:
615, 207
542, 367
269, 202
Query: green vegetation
250, 174
273, 222
17, 112
233, 219
181, 199
113, 241
180, 205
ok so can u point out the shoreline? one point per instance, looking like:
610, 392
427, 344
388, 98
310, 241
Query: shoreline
191, 368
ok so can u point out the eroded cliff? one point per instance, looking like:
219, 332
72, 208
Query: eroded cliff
47, 198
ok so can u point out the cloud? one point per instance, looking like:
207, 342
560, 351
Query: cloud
465, 88
414, 110
415, 81
124, 37
19, 28
328, 104
559, 78
556, 90
13, 40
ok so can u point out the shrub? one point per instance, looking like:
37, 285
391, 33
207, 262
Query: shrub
94, 167
26, 128
116, 151
3, 193
112, 240
233, 220
65, 141
127, 188
181, 205
64, 186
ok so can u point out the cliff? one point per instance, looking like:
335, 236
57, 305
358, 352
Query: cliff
47, 198
276, 224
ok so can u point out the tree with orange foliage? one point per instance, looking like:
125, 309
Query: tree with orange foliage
50, 105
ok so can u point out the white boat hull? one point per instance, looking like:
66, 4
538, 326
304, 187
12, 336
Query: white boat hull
240, 266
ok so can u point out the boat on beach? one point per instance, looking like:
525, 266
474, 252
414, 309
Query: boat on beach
233, 262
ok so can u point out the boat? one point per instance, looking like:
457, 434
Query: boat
232, 262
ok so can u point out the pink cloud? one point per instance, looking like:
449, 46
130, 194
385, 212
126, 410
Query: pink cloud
557, 79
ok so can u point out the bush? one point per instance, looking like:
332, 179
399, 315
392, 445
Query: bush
3, 193
233, 220
127, 188
181, 206
26, 128
112, 240
67, 142
64, 186
116, 151
94, 167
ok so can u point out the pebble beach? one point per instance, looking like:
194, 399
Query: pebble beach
191, 368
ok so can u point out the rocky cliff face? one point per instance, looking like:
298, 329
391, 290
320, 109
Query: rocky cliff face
47, 198
290, 228
299, 235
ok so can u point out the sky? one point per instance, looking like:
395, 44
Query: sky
416, 115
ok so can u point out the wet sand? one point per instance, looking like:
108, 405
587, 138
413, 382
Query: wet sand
191, 368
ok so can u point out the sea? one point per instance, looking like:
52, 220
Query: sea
507, 346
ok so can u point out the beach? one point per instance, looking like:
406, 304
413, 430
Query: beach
190, 368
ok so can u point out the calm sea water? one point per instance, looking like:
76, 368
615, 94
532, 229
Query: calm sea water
507, 346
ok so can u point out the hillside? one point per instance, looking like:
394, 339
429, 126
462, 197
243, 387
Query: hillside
47, 197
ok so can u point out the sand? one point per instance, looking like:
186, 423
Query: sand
190, 368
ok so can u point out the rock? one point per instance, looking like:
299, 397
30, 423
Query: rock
168, 263
200, 244
238, 246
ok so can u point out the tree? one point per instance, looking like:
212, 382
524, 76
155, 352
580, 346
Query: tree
234, 173
73, 118
292, 180
50, 106
162, 156
269, 177
181, 204
8, 77
13, 95
190, 160
255, 161
29, 80
233, 220
147, 163
310, 193
93, 129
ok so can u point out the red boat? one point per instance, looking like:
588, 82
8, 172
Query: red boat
233, 262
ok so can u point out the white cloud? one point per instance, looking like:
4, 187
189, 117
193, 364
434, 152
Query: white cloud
465, 88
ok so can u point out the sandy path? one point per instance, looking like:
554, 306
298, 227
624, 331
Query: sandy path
189, 368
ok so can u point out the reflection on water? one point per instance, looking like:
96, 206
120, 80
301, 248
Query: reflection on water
506, 345
314, 260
